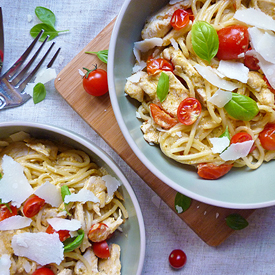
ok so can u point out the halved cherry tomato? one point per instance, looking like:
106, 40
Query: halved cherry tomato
189, 110
268, 85
211, 171
7, 211
180, 19
63, 234
191, 15
101, 249
233, 41
43, 271
32, 206
251, 61
161, 117
267, 137
95, 82
177, 258
241, 137
99, 232
156, 65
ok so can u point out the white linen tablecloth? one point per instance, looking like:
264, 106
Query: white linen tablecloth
249, 251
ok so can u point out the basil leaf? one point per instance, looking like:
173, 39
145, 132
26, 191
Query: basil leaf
48, 30
65, 191
242, 107
102, 55
205, 40
71, 244
45, 15
39, 93
225, 133
236, 221
163, 86
182, 203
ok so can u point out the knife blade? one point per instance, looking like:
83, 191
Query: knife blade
1, 40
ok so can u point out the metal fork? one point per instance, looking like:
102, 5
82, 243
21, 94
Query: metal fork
13, 82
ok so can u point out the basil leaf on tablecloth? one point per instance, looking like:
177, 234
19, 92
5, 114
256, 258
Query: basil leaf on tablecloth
182, 203
45, 15
102, 55
163, 86
39, 93
236, 221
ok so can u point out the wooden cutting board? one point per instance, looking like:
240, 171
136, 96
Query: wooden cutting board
207, 221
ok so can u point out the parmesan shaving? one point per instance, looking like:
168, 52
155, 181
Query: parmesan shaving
136, 77
219, 144
139, 67
147, 44
14, 222
111, 183
220, 98
83, 195
64, 224
5, 264
19, 136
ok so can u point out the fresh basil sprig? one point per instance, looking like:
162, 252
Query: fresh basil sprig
71, 244
242, 107
182, 203
225, 133
45, 15
205, 40
236, 221
102, 55
163, 86
39, 93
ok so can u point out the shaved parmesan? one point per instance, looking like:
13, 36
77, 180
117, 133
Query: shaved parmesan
172, 2
148, 44
220, 98
41, 247
174, 44
29, 88
15, 222
219, 144
45, 75
64, 224
111, 183
83, 195
81, 72
14, 185
268, 69
137, 54
136, 77
5, 264
139, 67
237, 150
255, 17
234, 70
19, 136
50, 193
209, 74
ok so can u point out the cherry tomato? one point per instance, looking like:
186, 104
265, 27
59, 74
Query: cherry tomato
161, 117
43, 271
99, 232
177, 258
233, 40
189, 110
268, 85
156, 65
251, 61
211, 171
7, 211
101, 249
267, 137
32, 206
241, 137
63, 234
180, 19
95, 82
191, 15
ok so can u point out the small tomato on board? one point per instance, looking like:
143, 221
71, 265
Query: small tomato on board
233, 40
180, 19
43, 271
211, 171
101, 249
160, 64
267, 137
63, 234
177, 258
241, 137
7, 211
189, 110
32, 206
95, 82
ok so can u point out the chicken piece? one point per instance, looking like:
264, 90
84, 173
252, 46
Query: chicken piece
65, 272
134, 91
114, 224
80, 268
16, 150
158, 25
111, 265
150, 133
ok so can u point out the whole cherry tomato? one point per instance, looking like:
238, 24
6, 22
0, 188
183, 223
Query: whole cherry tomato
180, 19
63, 234
251, 61
211, 171
32, 206
161, 117
177, 258
241, 137
43, 271
101, 249
99, 232
267, 137
189, 110
233, 41
95, 82
156, 65
7, 211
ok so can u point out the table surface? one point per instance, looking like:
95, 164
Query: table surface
248, 251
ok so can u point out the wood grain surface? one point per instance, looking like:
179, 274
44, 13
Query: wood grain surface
207, 221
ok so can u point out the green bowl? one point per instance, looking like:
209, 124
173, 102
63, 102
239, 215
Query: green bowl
241, 188
132, 241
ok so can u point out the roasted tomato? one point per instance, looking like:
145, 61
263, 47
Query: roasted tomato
267, 137
189, 110
43, 271
251, 61
180, 19
156, 65
63, 234
211, 171
101, 249
6, 211
241, 137
32, 206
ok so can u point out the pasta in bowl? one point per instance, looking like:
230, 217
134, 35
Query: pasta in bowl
65, 206
199, 96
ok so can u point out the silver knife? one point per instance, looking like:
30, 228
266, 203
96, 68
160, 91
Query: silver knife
1, 41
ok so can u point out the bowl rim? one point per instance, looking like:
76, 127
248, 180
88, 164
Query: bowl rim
106, 159
133, 145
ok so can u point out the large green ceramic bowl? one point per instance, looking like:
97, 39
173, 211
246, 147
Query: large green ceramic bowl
132, 241
241, 188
